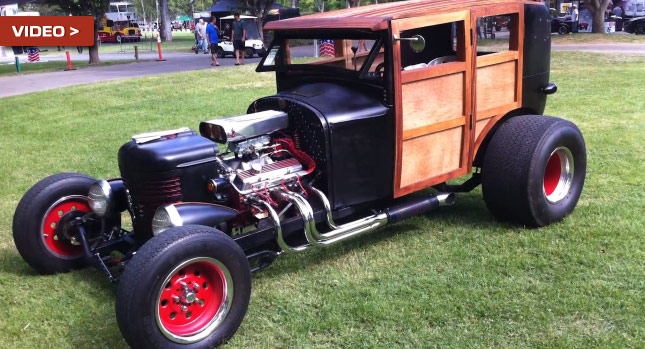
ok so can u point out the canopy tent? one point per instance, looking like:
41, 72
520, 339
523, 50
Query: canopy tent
227, 6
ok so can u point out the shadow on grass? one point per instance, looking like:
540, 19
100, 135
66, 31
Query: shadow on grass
468, 213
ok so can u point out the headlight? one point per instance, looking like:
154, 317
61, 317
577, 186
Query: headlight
100, 197
165, 217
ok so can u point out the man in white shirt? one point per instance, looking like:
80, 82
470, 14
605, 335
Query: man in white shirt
574, 19
200, 34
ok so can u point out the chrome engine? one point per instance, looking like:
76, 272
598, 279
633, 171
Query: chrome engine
261, 156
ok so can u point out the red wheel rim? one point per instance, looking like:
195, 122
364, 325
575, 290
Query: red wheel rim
552, 174
62, 247
558, 175
194, 299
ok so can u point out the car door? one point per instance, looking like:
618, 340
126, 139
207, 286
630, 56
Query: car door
433, 99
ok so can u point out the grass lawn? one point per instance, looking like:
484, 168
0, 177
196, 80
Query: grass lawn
452, 278
592, 38
181, 42
10, 69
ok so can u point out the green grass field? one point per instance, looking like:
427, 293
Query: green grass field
41, 67
452, 278
182, 41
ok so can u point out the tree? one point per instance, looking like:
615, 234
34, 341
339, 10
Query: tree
597, 8
165, 29
259, 9
94, 8
320, 5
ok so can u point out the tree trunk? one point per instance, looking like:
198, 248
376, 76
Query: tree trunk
294, 3
598, 8
143, 10
94, 50
598, 25
192, 9
165, 30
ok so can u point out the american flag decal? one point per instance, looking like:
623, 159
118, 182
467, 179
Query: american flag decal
34, 55
326, 48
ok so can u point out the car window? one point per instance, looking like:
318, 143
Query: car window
440, 45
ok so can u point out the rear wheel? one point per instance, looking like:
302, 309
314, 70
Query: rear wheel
640, 29
220, 52
38, 223
187, 287
249, 52
563, 29
534, 170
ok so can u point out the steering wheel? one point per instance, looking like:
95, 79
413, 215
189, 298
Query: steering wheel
379, 69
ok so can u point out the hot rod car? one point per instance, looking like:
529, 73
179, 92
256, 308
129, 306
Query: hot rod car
352, 141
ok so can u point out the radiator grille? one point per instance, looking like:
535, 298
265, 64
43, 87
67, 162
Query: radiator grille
148, 195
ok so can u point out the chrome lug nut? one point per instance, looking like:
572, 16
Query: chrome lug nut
200, 302
184, 308
196, 287
183, 285
175, 298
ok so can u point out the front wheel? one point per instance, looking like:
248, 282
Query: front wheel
220, 52
249, 52
188, 287
40, 218
534, 170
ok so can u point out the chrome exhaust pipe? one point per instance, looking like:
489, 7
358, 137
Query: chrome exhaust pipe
345, 231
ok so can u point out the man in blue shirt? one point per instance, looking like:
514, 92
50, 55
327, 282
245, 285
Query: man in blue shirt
213, 39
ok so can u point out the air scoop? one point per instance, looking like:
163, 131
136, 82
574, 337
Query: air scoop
243, 127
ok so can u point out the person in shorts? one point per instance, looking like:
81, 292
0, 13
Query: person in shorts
239, 37
213, 39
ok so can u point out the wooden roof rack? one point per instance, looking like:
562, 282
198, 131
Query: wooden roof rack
376, 17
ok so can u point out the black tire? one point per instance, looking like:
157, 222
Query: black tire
249, 52
640, 30
492, 35
29, 219
563, 30
498, 28
220, 52
514, 177
140, 289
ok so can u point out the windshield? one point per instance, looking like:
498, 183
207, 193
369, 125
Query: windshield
358, 55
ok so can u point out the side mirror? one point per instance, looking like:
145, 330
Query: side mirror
417, 42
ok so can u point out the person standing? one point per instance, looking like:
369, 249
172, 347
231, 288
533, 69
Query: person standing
200, 33
574, 19
239, 37
213, 39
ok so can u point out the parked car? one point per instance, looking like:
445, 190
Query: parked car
401, 101
635, 25
561, 25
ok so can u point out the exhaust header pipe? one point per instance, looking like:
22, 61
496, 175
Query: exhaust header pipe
345, 231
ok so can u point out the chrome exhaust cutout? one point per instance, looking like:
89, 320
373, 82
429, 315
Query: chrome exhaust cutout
345, 231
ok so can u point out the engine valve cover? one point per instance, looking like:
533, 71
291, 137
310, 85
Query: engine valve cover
270, 173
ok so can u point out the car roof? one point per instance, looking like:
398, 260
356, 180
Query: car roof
376, 17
